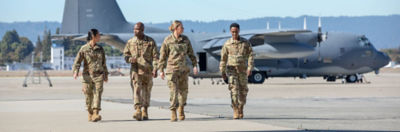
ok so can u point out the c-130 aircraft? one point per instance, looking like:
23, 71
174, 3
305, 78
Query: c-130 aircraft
278, 53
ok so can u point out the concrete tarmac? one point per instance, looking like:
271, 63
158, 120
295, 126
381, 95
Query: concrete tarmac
280, 104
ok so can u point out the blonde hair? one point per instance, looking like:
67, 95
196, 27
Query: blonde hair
174, 25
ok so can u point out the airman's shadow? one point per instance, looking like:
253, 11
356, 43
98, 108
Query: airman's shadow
326, 83
168, 119
316, 130
212, 118
133, 120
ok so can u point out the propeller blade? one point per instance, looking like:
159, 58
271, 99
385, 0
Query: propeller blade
319, 22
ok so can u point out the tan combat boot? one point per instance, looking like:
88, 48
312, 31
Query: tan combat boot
173, 115
144, 114
96, 117
240, 111
235, 112
90, 111
181, 112
138, 114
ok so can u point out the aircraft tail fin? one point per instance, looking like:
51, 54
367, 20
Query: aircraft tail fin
82, 15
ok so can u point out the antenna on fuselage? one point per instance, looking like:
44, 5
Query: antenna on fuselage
279, 25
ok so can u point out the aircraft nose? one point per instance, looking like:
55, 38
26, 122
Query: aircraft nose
381, 60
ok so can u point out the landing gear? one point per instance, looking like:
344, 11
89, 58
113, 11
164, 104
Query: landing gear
331, 78
225, 81
194, 81
257, 77
351, 78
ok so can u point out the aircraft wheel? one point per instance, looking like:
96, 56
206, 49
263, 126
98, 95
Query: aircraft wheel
249, 80
351, 78
331, 79
226, 81
257, 77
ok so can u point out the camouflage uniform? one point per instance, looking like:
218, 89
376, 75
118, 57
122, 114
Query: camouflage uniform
234, 56
93, 75
173, 57
145, 52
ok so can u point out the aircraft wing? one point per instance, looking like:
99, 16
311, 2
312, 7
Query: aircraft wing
267, 45
113, 40
260, 32
110, 39
64, 36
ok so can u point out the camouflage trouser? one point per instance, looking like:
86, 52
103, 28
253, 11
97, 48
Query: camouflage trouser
142, 85
237, 86
178, 86
94, 90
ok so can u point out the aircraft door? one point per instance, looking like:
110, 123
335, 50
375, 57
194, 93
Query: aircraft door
202, 61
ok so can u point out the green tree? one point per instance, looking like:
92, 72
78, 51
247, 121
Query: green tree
27, 46
38, 49
9, 43
46, 43
110, 51
4, 53
14, 48
11, 37
58, 30
394, 54
71, 47
4, 47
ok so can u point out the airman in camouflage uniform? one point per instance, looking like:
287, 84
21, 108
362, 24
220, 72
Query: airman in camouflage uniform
236, 61
94, 73
173, 54
141, 52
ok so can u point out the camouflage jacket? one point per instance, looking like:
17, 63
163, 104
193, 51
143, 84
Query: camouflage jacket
237, 53
145, 52
173, 54
94, 61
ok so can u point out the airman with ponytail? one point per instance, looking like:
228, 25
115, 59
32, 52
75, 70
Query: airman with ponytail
94, 73
173, 54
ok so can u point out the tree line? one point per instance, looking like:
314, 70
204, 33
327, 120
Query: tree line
393, 53
15, 48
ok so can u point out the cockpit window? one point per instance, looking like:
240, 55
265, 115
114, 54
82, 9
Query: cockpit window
367, 53
364, 41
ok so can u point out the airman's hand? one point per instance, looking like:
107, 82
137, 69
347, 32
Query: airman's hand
195, 70
224, 76
76, 75
105, 78
162, 75
154, 73
248, 72
84, 90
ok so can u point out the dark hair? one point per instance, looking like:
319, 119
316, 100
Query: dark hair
139, 23
92, 32
234, 25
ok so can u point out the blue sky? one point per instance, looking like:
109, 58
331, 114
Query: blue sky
204, 10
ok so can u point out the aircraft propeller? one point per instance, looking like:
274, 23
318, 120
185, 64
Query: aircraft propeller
320, 37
